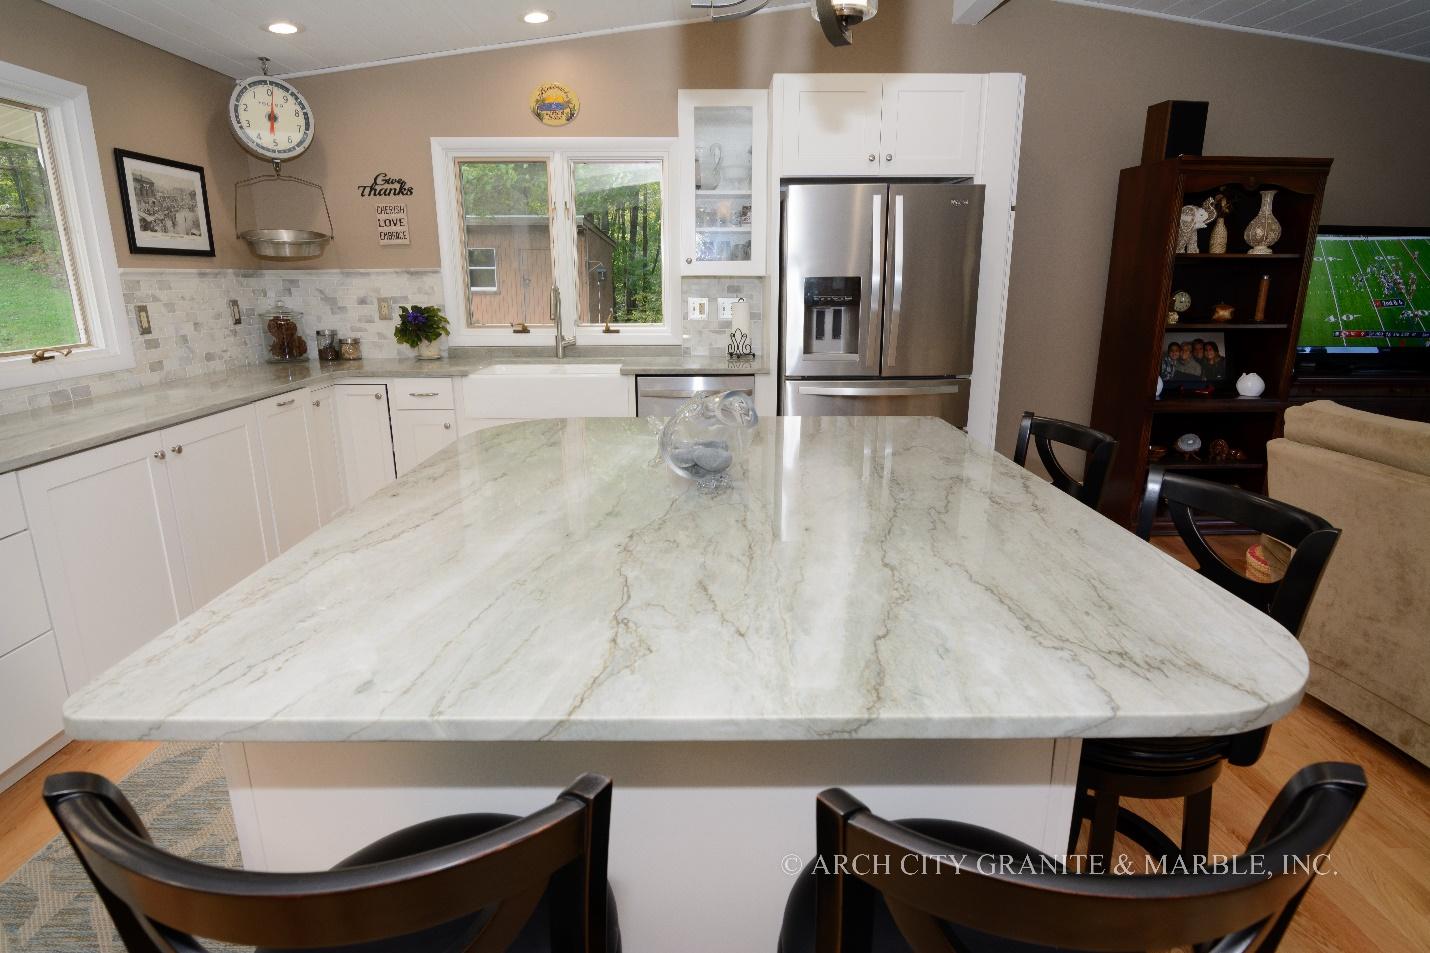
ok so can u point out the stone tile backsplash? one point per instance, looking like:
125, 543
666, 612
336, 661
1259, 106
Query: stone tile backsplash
751, 289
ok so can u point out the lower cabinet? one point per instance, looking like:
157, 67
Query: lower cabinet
288, 462
326, 455
32, 693
365, 435
417, 434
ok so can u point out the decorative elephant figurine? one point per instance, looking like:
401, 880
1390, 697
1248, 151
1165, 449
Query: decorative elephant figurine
1191, 219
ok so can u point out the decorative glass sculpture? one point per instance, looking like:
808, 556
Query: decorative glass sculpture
700, 440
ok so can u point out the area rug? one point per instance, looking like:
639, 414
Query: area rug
49, 906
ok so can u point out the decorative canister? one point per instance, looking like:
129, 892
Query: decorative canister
1263, 231
327, 345
286, 344
1250, 385
350, 349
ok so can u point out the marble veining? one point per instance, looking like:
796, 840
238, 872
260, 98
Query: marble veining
860, 578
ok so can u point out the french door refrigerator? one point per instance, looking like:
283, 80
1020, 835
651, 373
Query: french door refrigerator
879, 291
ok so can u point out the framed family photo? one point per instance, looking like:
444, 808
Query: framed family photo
1195, 361
166, 205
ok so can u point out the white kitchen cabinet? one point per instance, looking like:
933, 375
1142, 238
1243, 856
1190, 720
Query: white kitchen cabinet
723, 158
365, 435
12, 511
880, 123
220, 499
417, 434
107, 540
288, 465
23, 614
32, 696
323, 448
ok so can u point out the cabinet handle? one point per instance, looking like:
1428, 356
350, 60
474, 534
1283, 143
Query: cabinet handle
286, 403
425, 393
873, 157
177, 448
447, 426
159, 455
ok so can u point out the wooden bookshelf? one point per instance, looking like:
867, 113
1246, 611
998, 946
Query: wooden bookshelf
1145, 272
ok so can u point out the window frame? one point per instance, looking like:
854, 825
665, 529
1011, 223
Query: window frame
80, 199
559, 156
496, 281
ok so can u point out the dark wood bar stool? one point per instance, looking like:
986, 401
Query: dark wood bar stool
470, 883
1187, 768
927, 886
1099, 447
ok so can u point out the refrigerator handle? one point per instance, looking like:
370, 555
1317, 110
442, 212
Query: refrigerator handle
896, 303
876, 272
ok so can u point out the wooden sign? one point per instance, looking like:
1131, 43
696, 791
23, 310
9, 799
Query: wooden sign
392, 225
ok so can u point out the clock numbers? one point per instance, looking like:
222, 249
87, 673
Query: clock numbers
270, 118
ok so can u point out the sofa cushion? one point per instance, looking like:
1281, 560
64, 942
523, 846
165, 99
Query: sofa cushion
1404, 444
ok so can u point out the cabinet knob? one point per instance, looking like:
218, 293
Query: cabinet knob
177, 448
888, 157
377, 397
447, 426
689, 261
159, 454
317, 403
873, 157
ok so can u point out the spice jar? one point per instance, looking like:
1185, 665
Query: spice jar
327, 345
350, 349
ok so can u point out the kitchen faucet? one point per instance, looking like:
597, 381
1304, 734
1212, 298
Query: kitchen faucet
562, 341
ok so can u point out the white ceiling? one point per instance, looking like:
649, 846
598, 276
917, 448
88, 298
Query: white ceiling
1397, 27
230, 35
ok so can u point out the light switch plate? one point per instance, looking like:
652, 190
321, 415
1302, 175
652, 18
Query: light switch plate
697, 309
725, 305
141, 314
384, 309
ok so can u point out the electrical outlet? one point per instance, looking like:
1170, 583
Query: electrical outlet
234, 311
141, 314
384, 309
725, 305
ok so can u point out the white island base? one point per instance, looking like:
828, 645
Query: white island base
702, 833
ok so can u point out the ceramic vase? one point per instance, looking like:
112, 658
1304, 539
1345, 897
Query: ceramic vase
1250, 385
428, 351
1216, 244
1263, 231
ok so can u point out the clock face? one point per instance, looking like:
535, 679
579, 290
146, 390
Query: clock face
270, 118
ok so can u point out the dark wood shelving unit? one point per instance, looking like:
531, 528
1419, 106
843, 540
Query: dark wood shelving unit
1145, 272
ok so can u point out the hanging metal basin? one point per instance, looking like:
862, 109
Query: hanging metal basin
285, 242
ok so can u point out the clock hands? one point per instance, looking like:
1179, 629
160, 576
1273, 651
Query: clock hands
272, 113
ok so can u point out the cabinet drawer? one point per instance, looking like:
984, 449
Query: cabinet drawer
32, 696
12, 514
23, 614
433, 393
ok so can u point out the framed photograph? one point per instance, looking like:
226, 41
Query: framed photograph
1195, 361
166, 205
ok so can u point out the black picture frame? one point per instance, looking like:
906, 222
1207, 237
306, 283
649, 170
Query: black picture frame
144, 240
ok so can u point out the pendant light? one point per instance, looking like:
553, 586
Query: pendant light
837, 16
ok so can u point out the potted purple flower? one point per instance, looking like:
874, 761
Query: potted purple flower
420, 327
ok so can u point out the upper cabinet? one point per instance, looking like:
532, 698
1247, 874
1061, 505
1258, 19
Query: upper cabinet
723, 159
886, 124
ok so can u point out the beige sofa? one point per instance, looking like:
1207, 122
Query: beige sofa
1368, 631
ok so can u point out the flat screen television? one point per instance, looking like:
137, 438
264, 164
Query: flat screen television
1367, 303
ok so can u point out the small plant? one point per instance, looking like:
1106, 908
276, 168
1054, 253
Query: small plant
418, 323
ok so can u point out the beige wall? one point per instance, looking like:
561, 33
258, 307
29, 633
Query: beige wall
141, 99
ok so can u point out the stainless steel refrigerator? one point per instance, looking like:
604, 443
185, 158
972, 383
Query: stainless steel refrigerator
879, 292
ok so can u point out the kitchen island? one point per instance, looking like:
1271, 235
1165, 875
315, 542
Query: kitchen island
877, 603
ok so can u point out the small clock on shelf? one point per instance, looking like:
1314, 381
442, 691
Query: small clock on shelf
270, 118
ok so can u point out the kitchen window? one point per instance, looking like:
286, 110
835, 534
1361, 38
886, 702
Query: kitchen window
59, 286
482, 270
582, 226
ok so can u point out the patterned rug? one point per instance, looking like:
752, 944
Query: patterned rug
49, 906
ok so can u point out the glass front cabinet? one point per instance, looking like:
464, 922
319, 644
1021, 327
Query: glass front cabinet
724, 163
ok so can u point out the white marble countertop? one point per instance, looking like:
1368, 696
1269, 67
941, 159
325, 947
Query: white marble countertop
862, 577
50, 433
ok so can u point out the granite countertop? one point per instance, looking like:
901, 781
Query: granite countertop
47, 434
860, 577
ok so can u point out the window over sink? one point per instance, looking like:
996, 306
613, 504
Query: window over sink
581, 226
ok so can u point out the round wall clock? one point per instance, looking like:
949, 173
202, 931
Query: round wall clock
270, 118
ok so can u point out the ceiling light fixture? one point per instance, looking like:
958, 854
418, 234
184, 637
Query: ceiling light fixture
837, 16
537, 16
284, 28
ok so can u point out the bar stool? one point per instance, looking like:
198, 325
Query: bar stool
1187, 768
470, 882
1099, 447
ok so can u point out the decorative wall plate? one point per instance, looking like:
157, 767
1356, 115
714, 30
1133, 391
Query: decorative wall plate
554, 104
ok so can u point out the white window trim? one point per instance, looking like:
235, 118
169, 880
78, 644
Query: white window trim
81, 187
558, 154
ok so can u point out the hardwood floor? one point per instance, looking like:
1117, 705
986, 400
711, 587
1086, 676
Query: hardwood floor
1377, 899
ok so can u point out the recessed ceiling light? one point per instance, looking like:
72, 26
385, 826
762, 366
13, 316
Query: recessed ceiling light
284, 28
537, 16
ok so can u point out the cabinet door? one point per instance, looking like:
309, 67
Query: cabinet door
327, 460
220, 499
365, 435
417, 434
32, 698
723, 161
103, 527
831, 124
288, 464
931, 123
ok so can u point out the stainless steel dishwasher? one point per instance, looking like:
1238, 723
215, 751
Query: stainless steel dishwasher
662, 396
